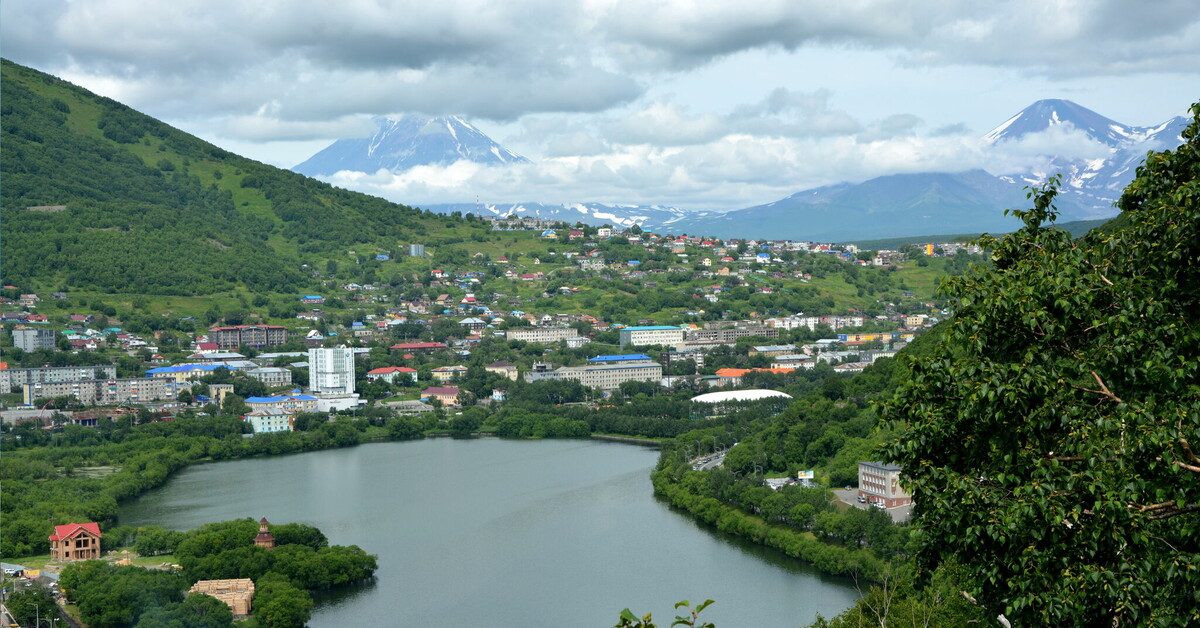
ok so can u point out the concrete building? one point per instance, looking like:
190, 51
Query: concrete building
248, 335
731, 334
390, 374
182, 373
271, 376
103, 392
506, 369
235, 593
605, 376
416, 250
541, 335
880, 483
290, 404
32, 338
651, 335
447, 395
15, 378
447, 373
75, 541
267, 421
331, 371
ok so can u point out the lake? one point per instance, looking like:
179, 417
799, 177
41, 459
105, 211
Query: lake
491, 532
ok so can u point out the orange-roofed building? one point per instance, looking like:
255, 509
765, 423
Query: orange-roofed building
734, 376
75, 541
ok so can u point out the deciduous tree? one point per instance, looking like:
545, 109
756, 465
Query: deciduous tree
1047, 441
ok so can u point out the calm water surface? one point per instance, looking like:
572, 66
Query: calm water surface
500, 533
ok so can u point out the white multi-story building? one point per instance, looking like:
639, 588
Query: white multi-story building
331, 371
602, 376
267, 421
879, 482
650, 335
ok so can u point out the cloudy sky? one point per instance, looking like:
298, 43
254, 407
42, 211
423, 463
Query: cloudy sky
712, 104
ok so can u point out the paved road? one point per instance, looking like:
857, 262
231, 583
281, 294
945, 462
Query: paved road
712, 463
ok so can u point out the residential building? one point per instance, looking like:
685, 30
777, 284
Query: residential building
473, 324
879, 482
32, 338
331, 371
448, 396
605, 376
419, 346
772, 350
271, 376
290, 404
15, 378
389, 374
218, 392
248, 335
541, 335
75, 541
506, 369
650, 335
883, 337
182, 373
103, 392
235, 593
793, 361
268, 421
731, 334
447, 373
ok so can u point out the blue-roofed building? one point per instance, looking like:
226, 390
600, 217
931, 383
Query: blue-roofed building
632, 357
181, 373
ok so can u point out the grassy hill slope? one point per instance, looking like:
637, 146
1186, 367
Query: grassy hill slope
98, 196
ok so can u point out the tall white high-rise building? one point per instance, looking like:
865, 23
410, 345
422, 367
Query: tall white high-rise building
331, 371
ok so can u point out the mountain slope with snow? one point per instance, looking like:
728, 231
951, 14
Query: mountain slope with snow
408, 141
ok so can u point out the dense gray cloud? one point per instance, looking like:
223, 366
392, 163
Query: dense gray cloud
577, 86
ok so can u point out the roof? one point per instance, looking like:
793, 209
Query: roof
738, 395
741, 372
419, 345
391, 369
186, 368
278, 399
775, 348
651, 328
439, 390
500, 364
620, 358
73, 529
883, 466
248, 327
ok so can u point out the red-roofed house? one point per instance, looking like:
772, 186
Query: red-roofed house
75, 541
390, 373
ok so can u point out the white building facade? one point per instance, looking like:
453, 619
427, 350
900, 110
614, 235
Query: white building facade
331, 371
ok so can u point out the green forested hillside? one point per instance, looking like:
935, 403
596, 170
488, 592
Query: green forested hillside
96, 195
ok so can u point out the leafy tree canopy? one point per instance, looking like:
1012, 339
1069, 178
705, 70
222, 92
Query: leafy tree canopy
1046, 440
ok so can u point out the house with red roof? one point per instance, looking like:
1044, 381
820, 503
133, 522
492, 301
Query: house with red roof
419, 346
75, 541
390, 373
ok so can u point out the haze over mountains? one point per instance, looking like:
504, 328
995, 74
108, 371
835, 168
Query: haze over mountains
888, 206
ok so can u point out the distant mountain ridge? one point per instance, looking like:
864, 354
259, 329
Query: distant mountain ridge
883, 207
408, 141
651, 217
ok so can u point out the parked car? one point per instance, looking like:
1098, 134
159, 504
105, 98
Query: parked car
862, 500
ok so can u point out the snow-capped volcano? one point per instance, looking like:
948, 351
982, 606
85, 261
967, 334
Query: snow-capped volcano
406, 141
1092, 185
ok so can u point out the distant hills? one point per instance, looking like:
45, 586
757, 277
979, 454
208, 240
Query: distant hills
408, 141
891, 206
